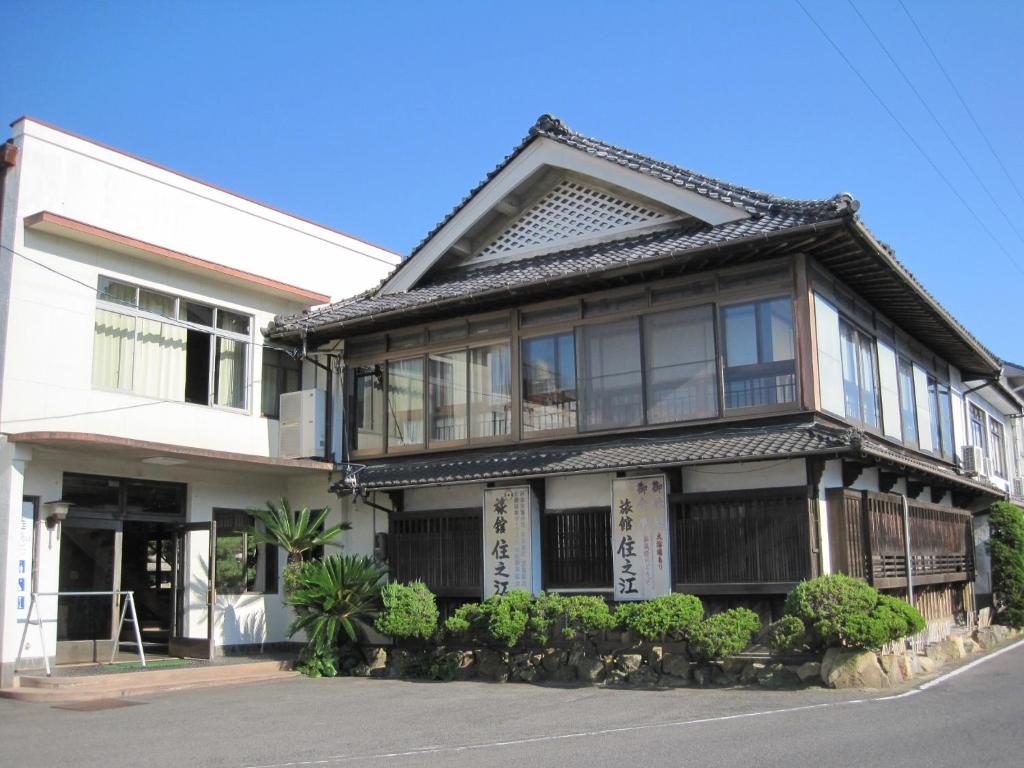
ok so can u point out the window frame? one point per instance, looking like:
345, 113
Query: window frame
997, 440
280, 372
722, 354
863, 341
106, 302
900, 362
267, 579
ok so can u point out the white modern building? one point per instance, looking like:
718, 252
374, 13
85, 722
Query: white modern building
136, 387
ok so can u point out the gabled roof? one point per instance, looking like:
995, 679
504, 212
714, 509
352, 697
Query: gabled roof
499, 279
837, 238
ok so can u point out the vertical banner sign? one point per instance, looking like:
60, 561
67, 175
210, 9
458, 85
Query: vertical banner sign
23, 560
640, 537
510, 534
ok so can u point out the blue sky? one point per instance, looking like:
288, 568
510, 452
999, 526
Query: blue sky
377, 118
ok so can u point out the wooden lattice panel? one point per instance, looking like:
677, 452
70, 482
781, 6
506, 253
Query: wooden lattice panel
570, 210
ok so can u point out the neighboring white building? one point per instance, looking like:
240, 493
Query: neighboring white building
134, 383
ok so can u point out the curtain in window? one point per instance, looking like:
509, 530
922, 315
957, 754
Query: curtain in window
113, 350
679, 354
160, 360
610, 378
230, 375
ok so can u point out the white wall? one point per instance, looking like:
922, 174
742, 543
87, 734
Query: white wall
576, 491
783, 473
81, 180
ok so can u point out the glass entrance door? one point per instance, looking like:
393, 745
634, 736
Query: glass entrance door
194, 590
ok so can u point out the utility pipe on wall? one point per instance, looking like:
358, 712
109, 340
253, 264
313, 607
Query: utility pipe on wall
906, 548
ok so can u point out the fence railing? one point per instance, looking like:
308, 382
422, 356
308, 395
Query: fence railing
867, 539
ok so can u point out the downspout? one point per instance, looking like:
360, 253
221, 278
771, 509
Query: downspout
906, 548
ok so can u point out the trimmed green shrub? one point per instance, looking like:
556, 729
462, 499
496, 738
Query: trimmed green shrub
838, 610
409, 610
724, 634
1006, 547
505, 619
586, 615
664, 616
786, 634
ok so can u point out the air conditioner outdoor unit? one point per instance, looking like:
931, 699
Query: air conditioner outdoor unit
1018, 487
974, 460
302, 421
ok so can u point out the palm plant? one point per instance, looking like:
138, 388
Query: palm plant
339, 593
294, 532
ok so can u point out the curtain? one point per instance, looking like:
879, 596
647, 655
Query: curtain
160, 360
113, 350
230, 375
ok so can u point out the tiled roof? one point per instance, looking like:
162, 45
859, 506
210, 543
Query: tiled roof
878, 449
718, 446
542, 269
749, 200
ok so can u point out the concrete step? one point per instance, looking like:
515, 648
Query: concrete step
39, 688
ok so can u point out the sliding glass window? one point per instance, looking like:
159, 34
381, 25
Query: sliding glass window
908, 403
448, 396
405, 403
549, 383
490, 391
368, 411
611, 385
860, 380
941, 417
679, 365
760, 368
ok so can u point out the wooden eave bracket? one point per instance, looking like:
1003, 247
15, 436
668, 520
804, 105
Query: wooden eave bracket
9, 154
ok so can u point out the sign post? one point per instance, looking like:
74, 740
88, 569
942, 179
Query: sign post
640, 537
511, 538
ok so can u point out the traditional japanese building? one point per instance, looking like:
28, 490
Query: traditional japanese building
605, 373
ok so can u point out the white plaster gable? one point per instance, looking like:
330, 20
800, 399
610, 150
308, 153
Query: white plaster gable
549, 197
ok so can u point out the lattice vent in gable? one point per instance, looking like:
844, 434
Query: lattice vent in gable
570, 210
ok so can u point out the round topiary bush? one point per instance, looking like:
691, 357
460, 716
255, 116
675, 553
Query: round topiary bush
838, 610
586, 615
787, 634
724, 634
664, 616
409, 611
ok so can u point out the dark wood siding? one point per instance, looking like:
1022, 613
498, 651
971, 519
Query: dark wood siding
743, 539
441, 548
866, 538
578, 549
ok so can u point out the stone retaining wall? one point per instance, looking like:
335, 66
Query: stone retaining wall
650, 665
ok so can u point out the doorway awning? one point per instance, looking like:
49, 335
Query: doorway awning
157, 454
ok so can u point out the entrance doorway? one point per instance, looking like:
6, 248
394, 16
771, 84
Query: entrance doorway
119, 535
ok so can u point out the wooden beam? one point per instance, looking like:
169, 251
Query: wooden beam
463, 247
938, 492
887, 481
851, 471
508, 206
914, 488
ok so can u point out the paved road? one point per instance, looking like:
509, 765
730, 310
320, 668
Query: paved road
972, 718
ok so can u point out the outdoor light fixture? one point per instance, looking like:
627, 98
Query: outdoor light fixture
56, 512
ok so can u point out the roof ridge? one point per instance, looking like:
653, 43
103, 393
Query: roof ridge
554, 128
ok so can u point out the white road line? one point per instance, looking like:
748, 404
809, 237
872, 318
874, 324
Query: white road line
432, 750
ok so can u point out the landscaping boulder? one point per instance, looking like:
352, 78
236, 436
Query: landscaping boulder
493, 665
676, 665
778, 676
628, 662
854, 669
590, 669
702, 676
751, 671
655, 656
643, 677
809, 672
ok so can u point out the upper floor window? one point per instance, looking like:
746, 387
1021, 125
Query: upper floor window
281, 373
167, 347
368, 408
549, 382
860, 381
940, 414
979, 435
760, 365
908, 402
998, 446
470, 393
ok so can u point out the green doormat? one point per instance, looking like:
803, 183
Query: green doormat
125, 666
